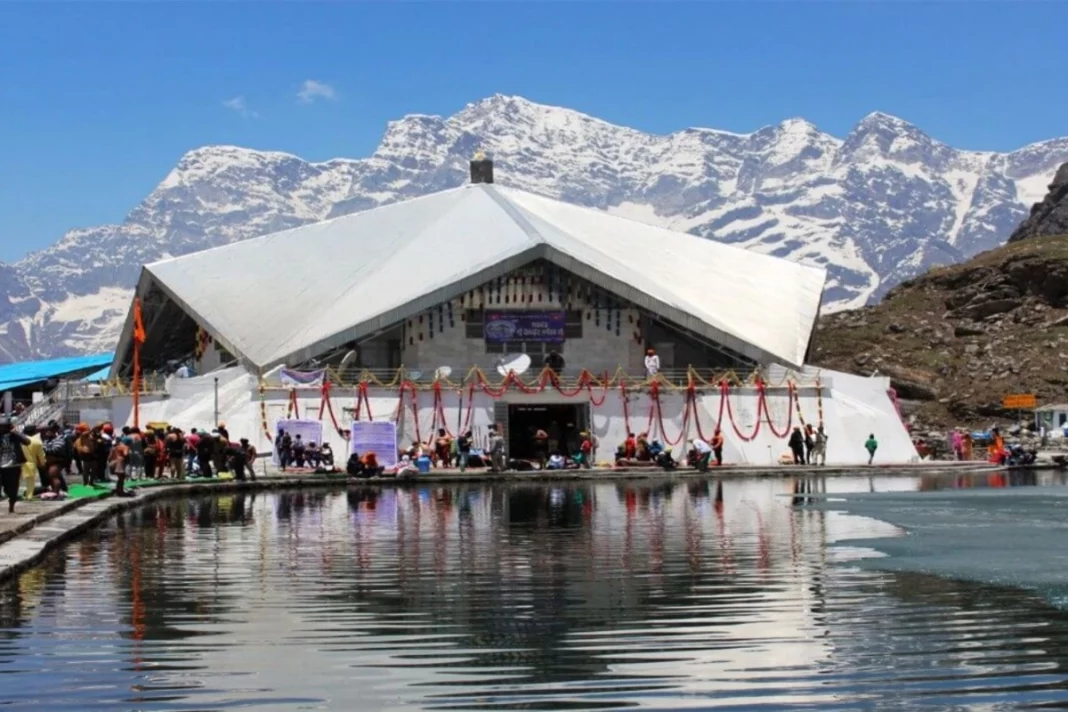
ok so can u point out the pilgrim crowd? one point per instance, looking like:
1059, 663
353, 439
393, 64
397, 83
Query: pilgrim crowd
40, 461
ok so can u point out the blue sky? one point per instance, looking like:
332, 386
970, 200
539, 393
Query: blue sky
98, 101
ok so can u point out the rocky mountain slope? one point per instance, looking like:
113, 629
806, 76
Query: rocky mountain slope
881, 205
1050, 217
958, 339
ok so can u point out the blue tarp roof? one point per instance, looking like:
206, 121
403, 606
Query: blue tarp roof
13, 375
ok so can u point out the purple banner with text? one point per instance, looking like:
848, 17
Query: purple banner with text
546, 326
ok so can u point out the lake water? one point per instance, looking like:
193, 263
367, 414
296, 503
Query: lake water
502, 597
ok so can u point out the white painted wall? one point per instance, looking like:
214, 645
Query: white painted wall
853, 407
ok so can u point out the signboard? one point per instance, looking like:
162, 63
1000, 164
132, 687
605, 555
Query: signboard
1020, 401
377, 436
546, 326
310, 431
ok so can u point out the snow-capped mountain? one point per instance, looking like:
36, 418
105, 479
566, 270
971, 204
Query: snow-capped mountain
876, 207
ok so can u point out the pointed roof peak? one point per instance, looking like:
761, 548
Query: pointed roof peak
389, 263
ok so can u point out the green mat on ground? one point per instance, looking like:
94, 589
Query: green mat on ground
85, 492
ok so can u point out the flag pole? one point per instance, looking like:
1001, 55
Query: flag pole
138, 339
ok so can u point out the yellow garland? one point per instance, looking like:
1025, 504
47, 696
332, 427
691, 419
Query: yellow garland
263, 411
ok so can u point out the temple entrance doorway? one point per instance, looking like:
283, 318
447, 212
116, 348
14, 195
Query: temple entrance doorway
561, 421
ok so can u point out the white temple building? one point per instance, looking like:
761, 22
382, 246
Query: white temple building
410, 310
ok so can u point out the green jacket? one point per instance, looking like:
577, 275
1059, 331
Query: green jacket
872, 445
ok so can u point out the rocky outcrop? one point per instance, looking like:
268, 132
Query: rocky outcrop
1050, 217
957, 340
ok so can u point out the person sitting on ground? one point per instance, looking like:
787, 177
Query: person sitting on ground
311, 454
326, 455
556, 462
630, 447
354, 465
621, 454
666, 461
654, 449
642, 452
414, 452
371, 468
406, 468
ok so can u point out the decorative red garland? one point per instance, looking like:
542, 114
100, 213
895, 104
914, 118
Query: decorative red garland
593, 401
767, 413
293, 411
325, 404
724, 395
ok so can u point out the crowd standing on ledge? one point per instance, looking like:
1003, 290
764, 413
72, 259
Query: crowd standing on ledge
39, 462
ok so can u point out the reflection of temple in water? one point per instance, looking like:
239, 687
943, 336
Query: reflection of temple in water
519, 583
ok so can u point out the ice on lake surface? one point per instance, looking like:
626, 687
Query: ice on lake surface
656, 595
1011, 536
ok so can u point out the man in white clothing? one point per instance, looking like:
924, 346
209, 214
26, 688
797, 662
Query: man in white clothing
652, 362
703, 452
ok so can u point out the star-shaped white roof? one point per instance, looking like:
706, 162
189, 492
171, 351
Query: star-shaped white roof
292, 295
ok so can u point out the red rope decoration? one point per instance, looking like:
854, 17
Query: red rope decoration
501, 391
655, 392
691, 395
293, 411
598, 403
725, 395
366, 400
326, 405
767, 414
626, 409
584, 381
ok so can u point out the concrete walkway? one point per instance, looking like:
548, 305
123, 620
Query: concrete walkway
37, 527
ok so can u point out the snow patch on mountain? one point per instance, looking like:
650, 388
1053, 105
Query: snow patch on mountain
880, 205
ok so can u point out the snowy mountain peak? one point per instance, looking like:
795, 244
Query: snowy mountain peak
875, 207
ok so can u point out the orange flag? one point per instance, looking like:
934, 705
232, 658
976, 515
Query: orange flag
139, 325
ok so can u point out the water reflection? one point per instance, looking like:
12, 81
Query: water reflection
690, 594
